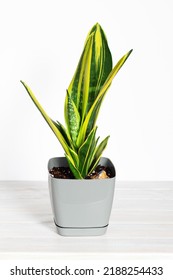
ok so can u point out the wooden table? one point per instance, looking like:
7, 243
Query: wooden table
141, 223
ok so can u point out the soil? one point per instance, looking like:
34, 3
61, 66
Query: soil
100, 172
61, 173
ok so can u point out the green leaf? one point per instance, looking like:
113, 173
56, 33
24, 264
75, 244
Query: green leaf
92, 115
86, 81
98, 152
85, 152
101, 63
48, 119
73, 168
75, 157
77, 89
64, 133
93, 68
72, 118
91, 155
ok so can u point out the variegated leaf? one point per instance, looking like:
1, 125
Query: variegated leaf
92, 115
64, 133
73, 168
72, 118
93, 69
85, 152
98, 152
54, 128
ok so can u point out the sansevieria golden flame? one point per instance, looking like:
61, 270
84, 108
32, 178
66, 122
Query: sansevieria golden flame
84, 96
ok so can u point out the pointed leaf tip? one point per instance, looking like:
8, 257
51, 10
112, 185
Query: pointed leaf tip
97, 24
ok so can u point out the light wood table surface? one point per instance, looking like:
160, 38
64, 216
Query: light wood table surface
141, 223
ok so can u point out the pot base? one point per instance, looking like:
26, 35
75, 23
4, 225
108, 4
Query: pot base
81, 231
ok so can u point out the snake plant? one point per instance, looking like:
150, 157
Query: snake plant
84, 97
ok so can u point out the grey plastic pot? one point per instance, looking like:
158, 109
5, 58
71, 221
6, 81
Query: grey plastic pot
81, 207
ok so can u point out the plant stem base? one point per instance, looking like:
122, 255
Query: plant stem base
77, 231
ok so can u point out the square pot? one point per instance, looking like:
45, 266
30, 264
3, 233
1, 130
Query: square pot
81, 206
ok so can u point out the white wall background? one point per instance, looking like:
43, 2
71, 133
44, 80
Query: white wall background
40, 43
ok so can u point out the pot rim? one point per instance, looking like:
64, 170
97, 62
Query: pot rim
64, 160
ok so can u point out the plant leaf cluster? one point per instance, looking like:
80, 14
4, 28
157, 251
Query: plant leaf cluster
84, 96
